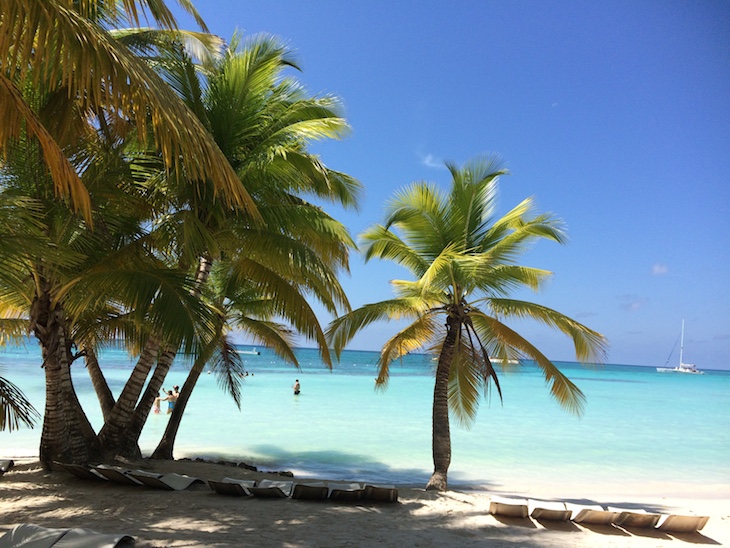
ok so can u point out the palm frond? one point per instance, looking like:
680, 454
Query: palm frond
417, 335
343, 329
567, 394
590, 346
15, 409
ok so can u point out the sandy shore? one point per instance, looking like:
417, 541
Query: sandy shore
199, 517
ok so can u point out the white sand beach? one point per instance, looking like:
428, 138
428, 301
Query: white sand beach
200, 517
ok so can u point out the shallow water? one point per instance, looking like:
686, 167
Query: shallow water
638, 425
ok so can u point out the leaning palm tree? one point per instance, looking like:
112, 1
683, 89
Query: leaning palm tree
464, 261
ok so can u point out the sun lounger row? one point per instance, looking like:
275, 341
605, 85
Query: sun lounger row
236, 487
305, 491
102, 472
594, 514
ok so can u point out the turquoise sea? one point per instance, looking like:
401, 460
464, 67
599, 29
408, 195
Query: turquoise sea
639, 426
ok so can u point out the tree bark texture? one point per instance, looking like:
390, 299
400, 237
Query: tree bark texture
441, 435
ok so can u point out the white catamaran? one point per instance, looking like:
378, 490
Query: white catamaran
682, 367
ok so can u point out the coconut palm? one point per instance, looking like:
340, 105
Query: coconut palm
262, 121
464, 261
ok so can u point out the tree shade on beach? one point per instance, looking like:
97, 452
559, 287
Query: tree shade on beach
464, 263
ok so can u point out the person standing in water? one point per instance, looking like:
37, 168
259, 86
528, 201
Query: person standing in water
170, 399
297, 387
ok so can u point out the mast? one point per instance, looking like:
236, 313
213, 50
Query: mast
681, 345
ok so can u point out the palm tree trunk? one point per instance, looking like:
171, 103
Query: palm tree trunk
103, 393
167, 443
441, 441
164, 449
67, 434
121, 414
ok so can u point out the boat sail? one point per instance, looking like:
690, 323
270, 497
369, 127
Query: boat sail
682, 367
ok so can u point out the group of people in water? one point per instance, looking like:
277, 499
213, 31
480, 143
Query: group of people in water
170, 398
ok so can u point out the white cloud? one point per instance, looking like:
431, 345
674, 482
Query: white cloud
431, 161
659, 269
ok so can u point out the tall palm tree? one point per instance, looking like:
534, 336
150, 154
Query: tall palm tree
262, 121
464, 261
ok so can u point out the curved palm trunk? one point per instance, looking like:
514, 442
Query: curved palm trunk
120, 434
101, 387
121, 414
441, 441
167, 443
164, 449
67, 434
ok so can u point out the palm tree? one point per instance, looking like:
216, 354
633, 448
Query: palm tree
262, 121
464, 261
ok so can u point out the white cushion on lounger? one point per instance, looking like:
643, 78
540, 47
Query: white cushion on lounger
675, 523
543, 509
509, 507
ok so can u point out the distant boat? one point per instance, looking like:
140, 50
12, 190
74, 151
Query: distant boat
682, 367
253, 352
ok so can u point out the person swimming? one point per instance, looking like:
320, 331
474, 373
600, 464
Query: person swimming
297, 387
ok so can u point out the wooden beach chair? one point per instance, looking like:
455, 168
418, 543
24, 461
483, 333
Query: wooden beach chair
310, 491
635, 517
381, 493
232, 487
269, 489
346, 492
169, 482
508, 507
675, 523
548, 510
591, 514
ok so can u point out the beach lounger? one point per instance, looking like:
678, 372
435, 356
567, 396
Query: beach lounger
553, 511
269, 489
508, 507
381, 493
34, 536
310, 491
169, 482
27, 534
591, 514
232, 487
80, 471
346, 492
635, 517
5, 465
675, 523
116, 474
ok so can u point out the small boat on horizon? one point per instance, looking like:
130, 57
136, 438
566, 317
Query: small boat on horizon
252, 352
682, 367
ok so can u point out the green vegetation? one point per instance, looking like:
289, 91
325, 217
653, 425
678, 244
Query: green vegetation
464, 262
155, 189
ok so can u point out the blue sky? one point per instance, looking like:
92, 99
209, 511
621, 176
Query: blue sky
614, 115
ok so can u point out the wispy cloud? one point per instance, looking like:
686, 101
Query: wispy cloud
632, 302
429, 160
659, 269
